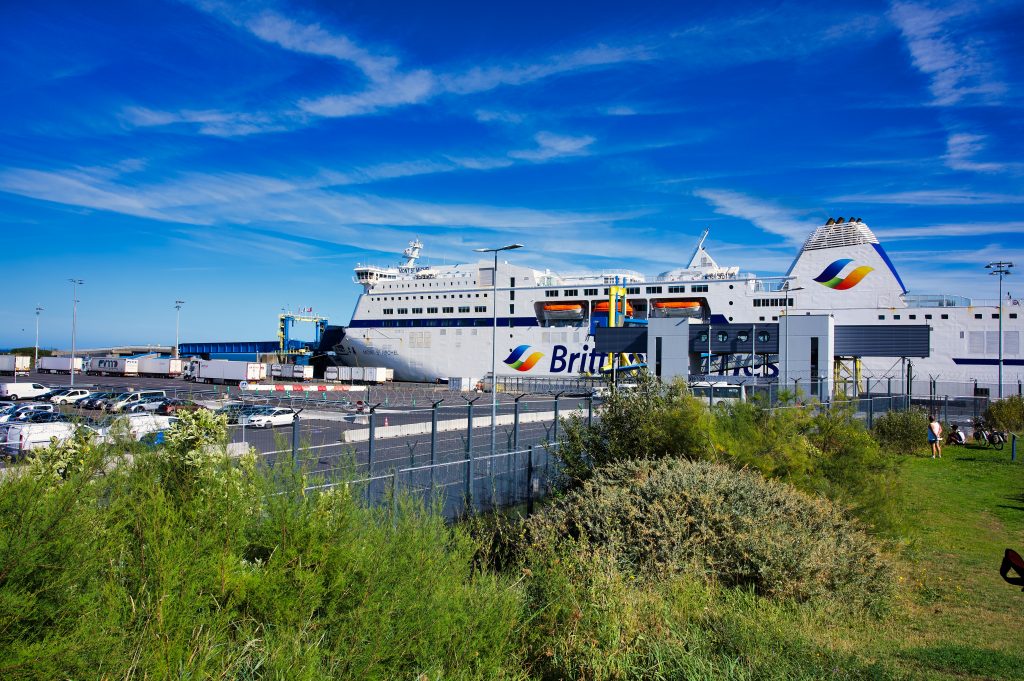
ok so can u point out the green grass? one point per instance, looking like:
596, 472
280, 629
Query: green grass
961, 619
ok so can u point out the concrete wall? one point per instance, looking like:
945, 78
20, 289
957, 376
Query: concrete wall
675, 342
796, 336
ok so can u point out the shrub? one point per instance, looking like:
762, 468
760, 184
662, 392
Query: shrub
902, 432
237, 573
650, 421
1006, 414
733, 527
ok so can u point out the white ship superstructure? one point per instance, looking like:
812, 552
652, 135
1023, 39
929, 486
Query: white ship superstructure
434, 322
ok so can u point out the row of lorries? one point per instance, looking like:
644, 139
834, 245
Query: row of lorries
197, 370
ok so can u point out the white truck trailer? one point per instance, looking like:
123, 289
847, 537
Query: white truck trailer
338, 374
113, 366
376, 375
15, 365
59, 365
292, 372
165, 367
224, 371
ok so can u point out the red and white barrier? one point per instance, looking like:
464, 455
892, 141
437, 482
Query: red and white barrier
285, 388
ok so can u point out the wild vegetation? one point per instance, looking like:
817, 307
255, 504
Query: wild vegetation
770, 544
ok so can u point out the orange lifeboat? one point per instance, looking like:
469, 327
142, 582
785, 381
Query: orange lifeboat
570, 311
603, 306
677, 308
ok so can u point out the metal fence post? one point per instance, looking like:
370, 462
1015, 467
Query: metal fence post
871, 412
1013, 446
394, 498
433, 440
590, 411
370, 446
945, 408
529, 481
515, 424
295, 440
469, 455
554, 431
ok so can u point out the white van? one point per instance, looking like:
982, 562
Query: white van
24, 437
22, 391
124, 402
142, 424
719, 392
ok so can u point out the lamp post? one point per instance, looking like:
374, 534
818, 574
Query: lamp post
35, 358
788, 290
177, 322
494, 341
1000, 268
75, 283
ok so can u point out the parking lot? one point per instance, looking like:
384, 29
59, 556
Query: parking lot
410, 424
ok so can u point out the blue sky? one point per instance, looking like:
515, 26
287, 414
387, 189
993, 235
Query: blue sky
244, 157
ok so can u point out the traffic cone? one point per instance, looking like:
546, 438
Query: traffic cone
385, 421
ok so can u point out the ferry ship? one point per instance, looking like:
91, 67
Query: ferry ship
431, 322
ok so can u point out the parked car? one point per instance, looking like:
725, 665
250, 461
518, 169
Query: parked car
718, 392
148, 404
173, 405
130, 399
70, 396
22, 391
15, 412
234, 410
93, 399
268, 417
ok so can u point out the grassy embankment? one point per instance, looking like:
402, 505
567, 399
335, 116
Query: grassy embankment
187, 567
960, 619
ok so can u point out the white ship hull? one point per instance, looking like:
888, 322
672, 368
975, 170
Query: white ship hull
429, 324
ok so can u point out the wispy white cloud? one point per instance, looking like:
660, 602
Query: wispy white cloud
305, 204
961, 149
387, 84
971, 229
210, 122
482, 79
954, 61
933, 197
550, 145
791, 224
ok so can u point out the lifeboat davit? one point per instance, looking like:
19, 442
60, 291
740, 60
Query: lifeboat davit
563, 311
677, 308
603, 306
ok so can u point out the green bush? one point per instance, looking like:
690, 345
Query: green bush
1006, 414
823, 451
732, 527
902, 432
203, 568
650, 421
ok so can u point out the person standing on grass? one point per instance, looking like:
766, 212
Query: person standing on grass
935, 436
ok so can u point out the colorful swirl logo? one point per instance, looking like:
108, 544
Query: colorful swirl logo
830, 275
517, 362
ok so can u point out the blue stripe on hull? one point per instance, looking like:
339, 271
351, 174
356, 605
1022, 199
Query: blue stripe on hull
985, 361
441, 322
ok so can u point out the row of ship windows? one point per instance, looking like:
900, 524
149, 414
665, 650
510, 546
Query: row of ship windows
630, 291
422, 284
441, 297
433, 310
977, 315
771, 302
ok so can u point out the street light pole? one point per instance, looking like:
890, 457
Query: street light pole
785, 381
1000, 268
177, 321
494, 342
74, 323
35, 359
